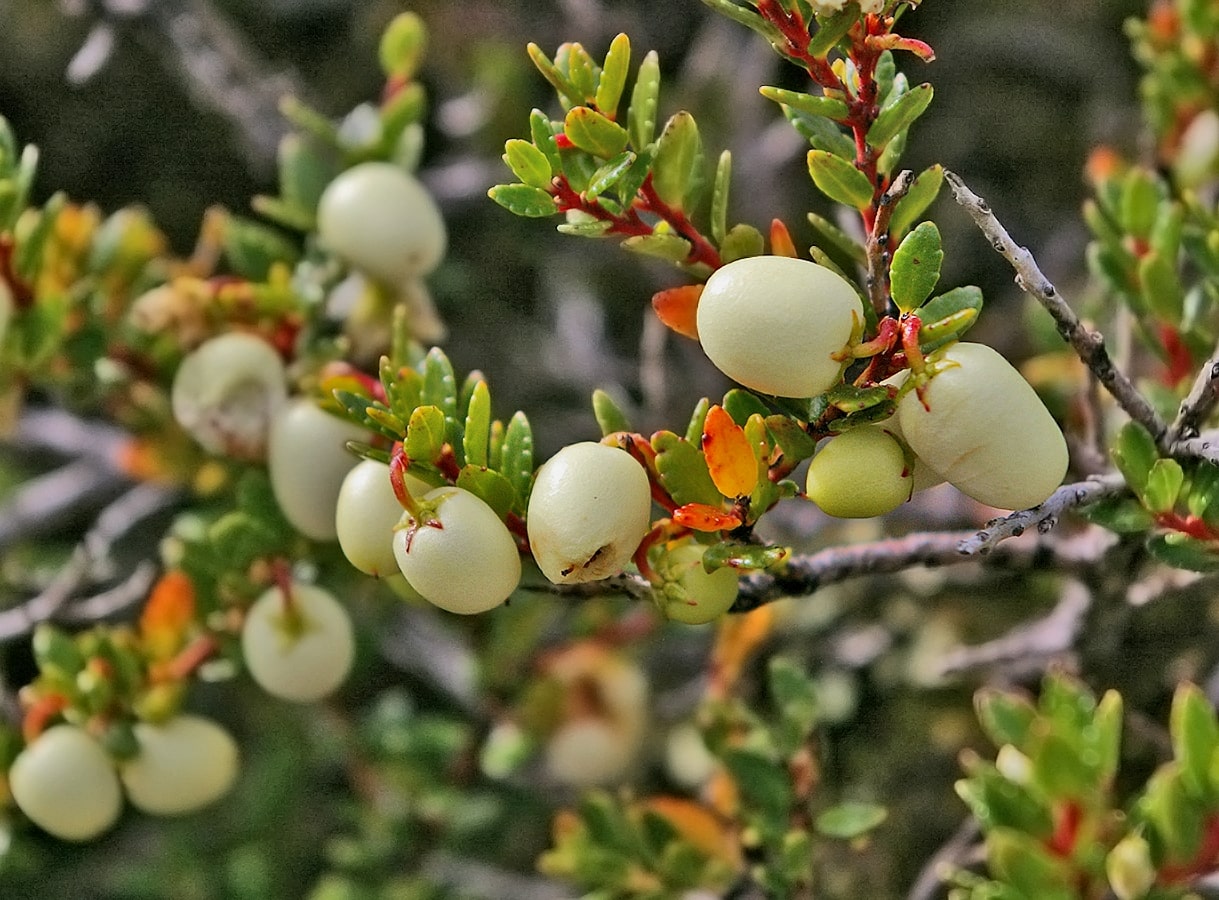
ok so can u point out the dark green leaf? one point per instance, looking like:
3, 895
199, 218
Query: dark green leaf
1184, 552
741, 404
822, 133
719, 197
492, 487
838, 239
517, 457
1124, 515
523, 200
1162, 287
608, 176
794, 441
551, 73
915, 270
946, 317
694, 430
1134, 454
1195, 738
900, 116
542, 133
922, 194
477, 432
1005, 717
763, 785
850, 399
832, 29
1163, 486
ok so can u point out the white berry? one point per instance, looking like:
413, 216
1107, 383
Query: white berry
365, 516
590, 507
775, 324
66, 783
382, 221
302, 651
461, 558
183, 765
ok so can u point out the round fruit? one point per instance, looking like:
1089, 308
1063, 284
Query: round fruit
302, 653
691, 594
382, 221
66, 783
985, 430
183, 765
590, 752
365, 516
590, 507
774, 324
307, 459
462, 558
859, 474
226, 391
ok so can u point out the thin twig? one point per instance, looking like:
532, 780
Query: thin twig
952, 854
1088, 344
51, 501
1204, 446
127, 593
1043, 517
1199, 404
804, 574
1031, 643
112, 523
878, 250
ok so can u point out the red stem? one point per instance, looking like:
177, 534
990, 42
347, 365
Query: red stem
1203, 861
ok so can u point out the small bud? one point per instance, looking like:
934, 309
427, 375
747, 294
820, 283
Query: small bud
1129, 867
1014, 765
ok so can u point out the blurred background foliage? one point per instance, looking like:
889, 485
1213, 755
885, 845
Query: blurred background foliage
1024, 88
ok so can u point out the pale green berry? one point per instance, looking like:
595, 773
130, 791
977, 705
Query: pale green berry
226, 391
590, 507
302, 651
1130, 868
366, 514
461, 558
859, 474
382, 221
66, 783
690, 594
776, 324
308, 459
183, 765
985, 429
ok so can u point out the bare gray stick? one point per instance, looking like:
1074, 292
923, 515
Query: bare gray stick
112, 523
951, 854
1204, 446
48, 502
1198, 405
1088, 344
1043, 517
127, 593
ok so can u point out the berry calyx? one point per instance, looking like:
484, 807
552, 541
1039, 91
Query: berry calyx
690, 594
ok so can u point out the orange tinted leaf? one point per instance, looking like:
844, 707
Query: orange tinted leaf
701, 517
738, 638
700, 826
678, 308
168, 613
781, 243
730, 459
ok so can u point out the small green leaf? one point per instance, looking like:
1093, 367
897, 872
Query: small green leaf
1005, 717
424, 434
677, 168
517, 458
1162, 287
1060, 770
523, 200
839, 240
900, 116
608, 176
581, 69
252, 248
490, 486
744, 557
826, 107
477, 432
822, 133
763, 785
440, 390
641, 117
303, 173
683, 470
1028, 866
402, 46
946, 317
609, 415
1141, 193
922, 193
542, 132
848, 821
916, 266
662, 246
1124, 515
839, 180
1107, 735
1134, 453
742, 241
1183, 552
559, 81
793, 440
741, 404
594, 133
528, 163
1195, 738
831, 30
1164, 482
851, 399
54, 649
719, 197
613, 76
793, 694
698, 419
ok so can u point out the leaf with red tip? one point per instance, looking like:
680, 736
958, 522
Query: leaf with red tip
678, 308
730, 459
701, 517
781, 243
